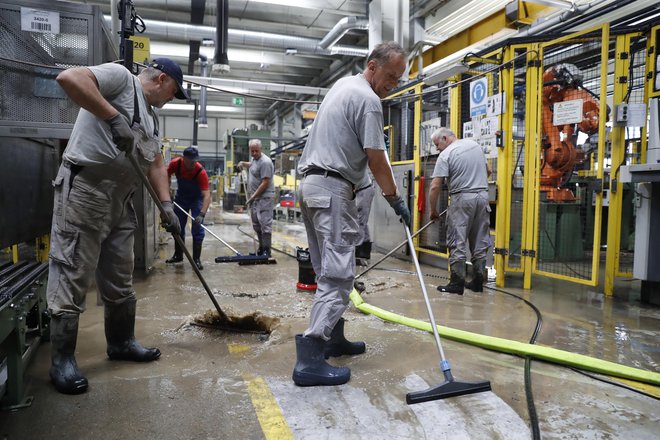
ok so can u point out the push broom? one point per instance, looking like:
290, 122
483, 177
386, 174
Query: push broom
450, 387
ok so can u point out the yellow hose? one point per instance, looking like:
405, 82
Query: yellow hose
513, 347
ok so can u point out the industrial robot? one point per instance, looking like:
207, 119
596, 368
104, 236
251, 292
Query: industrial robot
560, 155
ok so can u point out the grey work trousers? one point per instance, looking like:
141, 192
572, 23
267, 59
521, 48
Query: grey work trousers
261, 213
91, 235
468, 224
363, 200
330, 216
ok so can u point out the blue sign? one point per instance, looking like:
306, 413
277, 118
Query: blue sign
478, 97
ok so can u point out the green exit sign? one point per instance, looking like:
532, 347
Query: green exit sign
238, 100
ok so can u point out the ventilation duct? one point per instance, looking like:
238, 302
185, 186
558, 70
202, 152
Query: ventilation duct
339, 30
221, 62
202, 120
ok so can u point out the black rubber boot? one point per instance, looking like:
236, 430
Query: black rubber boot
478, 272
266, 241
311, 368
197, 252
338, 345
120, 335
363, 250
64, 372
178, 254
456, 280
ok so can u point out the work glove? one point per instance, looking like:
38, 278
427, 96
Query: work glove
400, 208
199, 220
122, 135
170, 221
238, 168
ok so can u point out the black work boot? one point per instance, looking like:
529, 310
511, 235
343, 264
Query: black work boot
363, 250
64, 372
120, 335
456, 280
197, 252
311, 368
267, 237
338, 345
178, 254
478, 272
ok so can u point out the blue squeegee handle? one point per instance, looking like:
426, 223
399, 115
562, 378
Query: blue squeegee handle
206, 229
426, 299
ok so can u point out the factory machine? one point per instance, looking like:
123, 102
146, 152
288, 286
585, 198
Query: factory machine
40, 39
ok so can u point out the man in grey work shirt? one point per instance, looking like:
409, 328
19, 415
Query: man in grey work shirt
93, 217
262, 190
347, 135
463, 164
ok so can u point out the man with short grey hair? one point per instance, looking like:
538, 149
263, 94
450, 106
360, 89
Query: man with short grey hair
347, 136
262, 190
463, 164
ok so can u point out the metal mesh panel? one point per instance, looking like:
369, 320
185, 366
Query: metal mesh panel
633, 137
435, 114
29, 63
518, 159
570, 119
400, 114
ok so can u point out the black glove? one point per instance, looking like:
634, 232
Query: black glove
122, 135
199, 220
238, 168
170, 220
400, 208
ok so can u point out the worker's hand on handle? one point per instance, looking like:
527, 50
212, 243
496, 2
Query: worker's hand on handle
199, 220
122, 135
435, 215
170, 220
249, 202
400, 208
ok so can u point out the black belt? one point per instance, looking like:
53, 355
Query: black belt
327, 173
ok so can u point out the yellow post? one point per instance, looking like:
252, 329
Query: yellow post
455, 107
417, 170
43, 248
534, 80
504, 158
14, 253
618, 142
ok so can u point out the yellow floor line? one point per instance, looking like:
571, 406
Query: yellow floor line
272, 421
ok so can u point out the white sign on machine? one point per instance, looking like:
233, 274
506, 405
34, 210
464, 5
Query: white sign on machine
35, 20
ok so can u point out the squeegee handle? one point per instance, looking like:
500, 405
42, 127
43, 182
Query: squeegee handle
413, 254
177, 237
205, 228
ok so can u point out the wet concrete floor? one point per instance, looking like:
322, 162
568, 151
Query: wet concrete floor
211, 384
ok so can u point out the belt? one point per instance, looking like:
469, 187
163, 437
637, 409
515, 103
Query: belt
328, 173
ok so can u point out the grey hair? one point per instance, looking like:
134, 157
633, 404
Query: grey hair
256, 142
442, 131
150, 73
384, 51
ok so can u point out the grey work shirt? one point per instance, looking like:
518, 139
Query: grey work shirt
260, 168
349, 120
464, 165
91, 141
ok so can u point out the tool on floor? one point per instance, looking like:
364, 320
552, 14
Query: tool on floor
231, 323
450, 387
396, 248
238, 257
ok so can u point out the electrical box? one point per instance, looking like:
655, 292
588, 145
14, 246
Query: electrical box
621, 114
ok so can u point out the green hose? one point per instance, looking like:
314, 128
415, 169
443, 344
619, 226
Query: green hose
513, 347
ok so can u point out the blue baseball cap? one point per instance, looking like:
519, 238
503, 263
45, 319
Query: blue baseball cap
173, 70
191, 153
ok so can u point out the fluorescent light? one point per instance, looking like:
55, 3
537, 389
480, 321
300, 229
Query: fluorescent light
209, 108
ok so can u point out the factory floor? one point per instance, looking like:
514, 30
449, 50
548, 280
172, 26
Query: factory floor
212, 384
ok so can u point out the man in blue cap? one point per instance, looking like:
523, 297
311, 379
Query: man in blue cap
192, 194
94, 221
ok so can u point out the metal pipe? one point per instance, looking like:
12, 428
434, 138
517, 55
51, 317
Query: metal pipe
239, 37
344, 25
203, 94
221, 61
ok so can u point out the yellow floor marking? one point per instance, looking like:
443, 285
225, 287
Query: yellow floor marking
272, 421
237, 348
